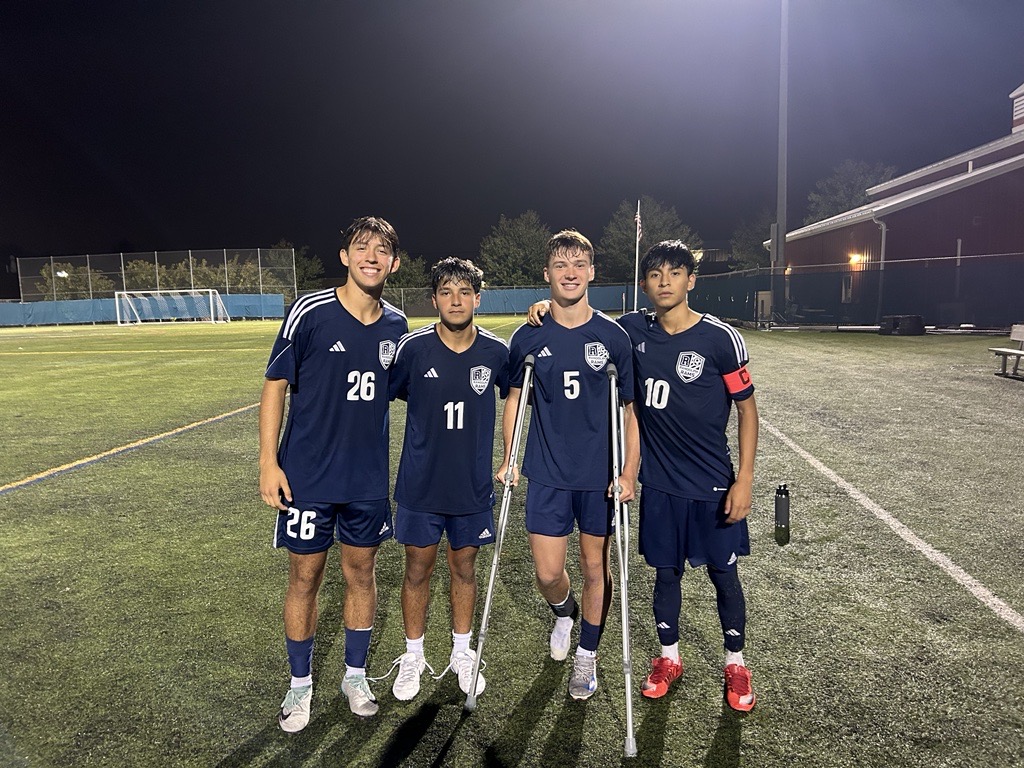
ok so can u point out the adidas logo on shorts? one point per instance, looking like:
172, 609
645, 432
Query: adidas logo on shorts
484, 534
383, 529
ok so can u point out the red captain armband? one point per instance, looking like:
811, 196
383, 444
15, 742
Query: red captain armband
737, 381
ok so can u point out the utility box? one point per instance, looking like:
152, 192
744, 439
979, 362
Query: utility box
901, 325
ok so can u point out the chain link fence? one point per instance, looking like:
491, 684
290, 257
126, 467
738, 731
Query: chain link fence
98, 276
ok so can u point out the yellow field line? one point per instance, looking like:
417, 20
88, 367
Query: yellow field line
46, 474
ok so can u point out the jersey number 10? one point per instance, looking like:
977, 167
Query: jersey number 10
656, 393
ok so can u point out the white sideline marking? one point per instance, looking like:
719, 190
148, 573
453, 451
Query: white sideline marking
48, 473
958, 574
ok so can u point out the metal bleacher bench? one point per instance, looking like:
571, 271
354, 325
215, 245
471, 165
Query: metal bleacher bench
1005, 353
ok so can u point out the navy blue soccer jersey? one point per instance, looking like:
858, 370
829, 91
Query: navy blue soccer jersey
685, 386
449, 426
335, 444
569, 443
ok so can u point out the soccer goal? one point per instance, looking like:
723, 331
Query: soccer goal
200, 304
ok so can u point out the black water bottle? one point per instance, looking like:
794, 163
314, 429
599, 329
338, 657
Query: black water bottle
782, 515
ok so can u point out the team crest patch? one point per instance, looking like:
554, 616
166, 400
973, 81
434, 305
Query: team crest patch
387, 352
596, 355
689, 366
479, 378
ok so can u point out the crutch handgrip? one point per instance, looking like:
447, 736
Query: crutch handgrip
611, 370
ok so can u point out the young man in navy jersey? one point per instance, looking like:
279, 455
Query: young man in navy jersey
447, 372
690, 369
329, 476
567, 456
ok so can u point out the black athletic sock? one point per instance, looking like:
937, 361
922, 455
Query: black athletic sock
732, 607
567, 607
668, 601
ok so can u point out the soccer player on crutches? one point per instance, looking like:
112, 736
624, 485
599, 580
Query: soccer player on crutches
506, 500
621, 513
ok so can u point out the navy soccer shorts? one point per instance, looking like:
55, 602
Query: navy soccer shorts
553, 511
424, 529
309, 527
674, 531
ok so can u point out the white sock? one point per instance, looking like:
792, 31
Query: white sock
354, 671
298, 682
671, 651
414, 646
563, 623
734, 657
585, 653
461, 642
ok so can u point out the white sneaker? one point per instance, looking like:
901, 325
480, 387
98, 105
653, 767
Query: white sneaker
294, 714
360, 699
407, 684
461, 663
561, 639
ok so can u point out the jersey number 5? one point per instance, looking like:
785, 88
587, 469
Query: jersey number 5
570, 380
362, 385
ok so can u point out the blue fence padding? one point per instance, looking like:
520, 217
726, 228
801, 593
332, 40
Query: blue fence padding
507, 301
254, 305
86, 311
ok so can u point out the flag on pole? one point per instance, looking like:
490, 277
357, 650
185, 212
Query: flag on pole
636, 257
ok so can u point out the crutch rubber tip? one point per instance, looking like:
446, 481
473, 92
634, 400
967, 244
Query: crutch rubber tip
630, 747
470, 704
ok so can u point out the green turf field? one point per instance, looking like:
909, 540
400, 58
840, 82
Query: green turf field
141, 620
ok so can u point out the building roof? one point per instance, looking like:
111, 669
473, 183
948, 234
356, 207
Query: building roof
911, 197
1018, 92
963, 158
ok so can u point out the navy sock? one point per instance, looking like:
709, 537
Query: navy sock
668, 601
300, 656
732, 607
357, 647
590, 636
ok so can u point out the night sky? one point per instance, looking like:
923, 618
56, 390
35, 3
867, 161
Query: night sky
176, 125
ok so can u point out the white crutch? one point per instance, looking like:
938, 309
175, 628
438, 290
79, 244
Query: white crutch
622, 547
506, 500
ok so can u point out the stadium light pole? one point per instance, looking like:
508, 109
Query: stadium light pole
778, 279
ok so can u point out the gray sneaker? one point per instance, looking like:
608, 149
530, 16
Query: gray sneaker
294, 714
360, 699
583, 681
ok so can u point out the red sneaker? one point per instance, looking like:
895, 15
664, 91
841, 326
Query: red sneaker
738, 692
663, 672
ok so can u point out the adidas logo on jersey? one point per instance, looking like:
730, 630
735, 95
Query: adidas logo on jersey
484, 534
384, 529
431, 374
641, 347
337, 347
544, 353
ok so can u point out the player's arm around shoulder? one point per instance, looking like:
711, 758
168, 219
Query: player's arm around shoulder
273, 482
739, 499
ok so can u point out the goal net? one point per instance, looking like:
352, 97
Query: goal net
201, 304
